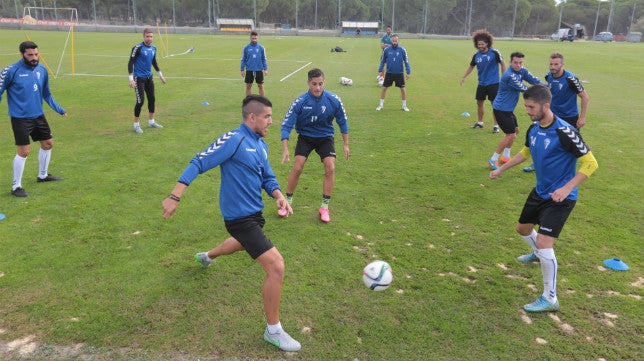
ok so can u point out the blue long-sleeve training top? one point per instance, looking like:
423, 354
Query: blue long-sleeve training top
253, 58
242, 157
313, 116
510, 86
395, 57
27, 87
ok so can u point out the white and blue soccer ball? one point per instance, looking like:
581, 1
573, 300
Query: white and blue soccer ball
377, 275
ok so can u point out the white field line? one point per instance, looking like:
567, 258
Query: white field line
302, 67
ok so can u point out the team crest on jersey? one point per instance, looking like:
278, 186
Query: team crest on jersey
323, 109
546, 143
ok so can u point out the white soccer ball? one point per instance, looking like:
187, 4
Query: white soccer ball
377, 275
381, 80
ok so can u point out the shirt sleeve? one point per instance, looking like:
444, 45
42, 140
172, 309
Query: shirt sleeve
290, 118
219, 151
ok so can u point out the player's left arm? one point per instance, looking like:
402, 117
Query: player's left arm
46, 95
156, 67
583, 107
588, 165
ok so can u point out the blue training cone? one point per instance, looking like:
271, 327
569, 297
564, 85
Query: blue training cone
2, 216
616, 264
205, 103
465, 114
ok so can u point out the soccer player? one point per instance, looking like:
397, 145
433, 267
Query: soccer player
27, 85
242, 157
253, 65
510, 86
142, 59
312, 116
565, 88
487, 61
555, 146
394, 57
385, 41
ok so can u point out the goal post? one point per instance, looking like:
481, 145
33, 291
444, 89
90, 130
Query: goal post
38, 15
48, 16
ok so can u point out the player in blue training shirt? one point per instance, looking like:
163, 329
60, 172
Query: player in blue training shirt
27, 85
555, 147
510, 86
253, 65
242, 157
312, 116
395, 59
487, 61
142, 59
385, 41
565, 88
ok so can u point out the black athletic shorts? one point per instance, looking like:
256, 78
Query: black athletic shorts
324, 147
572, 120
507, 121
248, 231
37, 128
548, 214
254, 75
489, 91
399, 79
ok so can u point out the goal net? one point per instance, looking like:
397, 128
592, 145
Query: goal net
37, 15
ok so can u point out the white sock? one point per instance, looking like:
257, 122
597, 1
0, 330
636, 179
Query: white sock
495, 156
506, 152
151, 121
44, 156
18, 169
273, 329
531, 240
548, 263
382, 102
404, 103
208, 258
137, 125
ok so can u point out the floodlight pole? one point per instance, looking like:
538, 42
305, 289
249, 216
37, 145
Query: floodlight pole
561, 4
174, 19
599, 4
393, 12
315, 25
514, 19
340, 13
94, 7
610, 15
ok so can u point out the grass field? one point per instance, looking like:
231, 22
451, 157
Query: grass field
89, 269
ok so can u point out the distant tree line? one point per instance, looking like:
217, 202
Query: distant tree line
521, 18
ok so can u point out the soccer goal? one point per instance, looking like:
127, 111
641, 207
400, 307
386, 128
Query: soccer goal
50, 16
62, 17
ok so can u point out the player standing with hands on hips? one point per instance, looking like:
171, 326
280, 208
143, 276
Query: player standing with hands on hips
554, 146
242, 157
253, 65
27, 85
312, 116
142, 59
398, 68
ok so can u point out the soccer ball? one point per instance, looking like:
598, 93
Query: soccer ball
377, 275
381, 80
